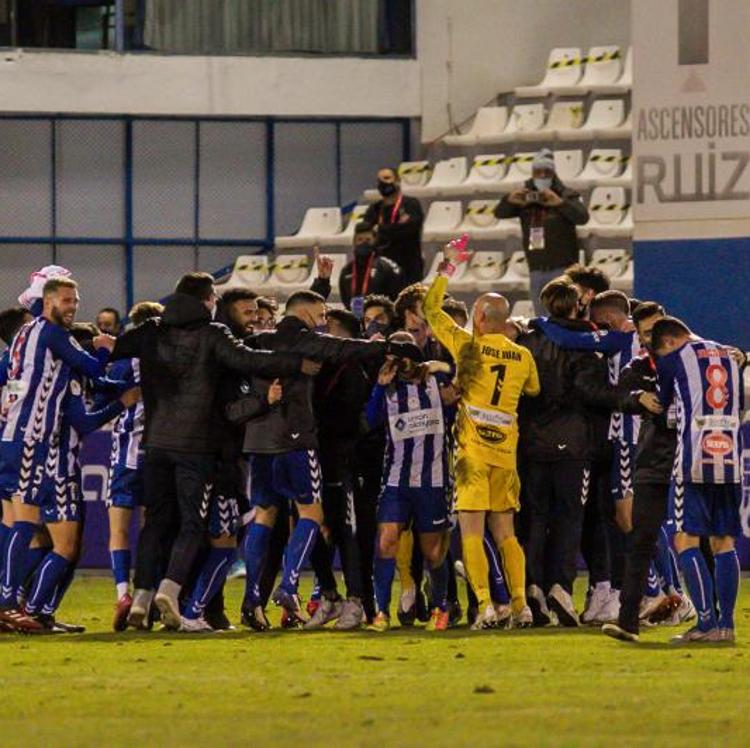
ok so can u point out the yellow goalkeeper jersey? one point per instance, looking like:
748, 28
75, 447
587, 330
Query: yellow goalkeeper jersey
493, 373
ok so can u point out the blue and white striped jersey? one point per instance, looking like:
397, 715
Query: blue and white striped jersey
42, 358
706, 385
127, 433
415, 455
624, 427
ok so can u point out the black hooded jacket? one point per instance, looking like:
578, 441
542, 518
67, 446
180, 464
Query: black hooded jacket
557, 425
560, 238
182, 357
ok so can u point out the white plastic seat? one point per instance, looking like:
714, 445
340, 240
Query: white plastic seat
481, 225
624, 179
609, 213
623, 131
623, 84
612, 262
486, 174
448, 175
624, 282
564, 117
518, 172
516, 277
292, 273
603, 67
249, 271
563, 69
488, 123
339, 261
345, 238
316, 223
524, 121
487, 269
603, 165
442, 221
604, 115
568, 164
461, 271
523, 308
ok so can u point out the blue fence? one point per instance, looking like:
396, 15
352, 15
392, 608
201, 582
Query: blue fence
129, 203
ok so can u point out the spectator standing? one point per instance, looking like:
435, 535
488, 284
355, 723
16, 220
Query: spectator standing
108, 321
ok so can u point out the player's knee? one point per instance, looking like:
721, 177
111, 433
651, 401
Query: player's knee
67, 547
722, 544
388, 543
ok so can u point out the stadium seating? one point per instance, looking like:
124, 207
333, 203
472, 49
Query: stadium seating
345, 238
623, 131
568, 164
487, 125
625, 179
523, 308
316, 223
623, 84
524, 121
448, 174
486, 270
249, 271
480, 224
603, 166
565, 117
624, 281
612, 262
517, 276
485, 175
518, 172
563, 69
605, 115
413, 175
442, 221
610, 214
603, 66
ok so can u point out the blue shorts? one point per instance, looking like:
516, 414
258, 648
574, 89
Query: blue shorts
62, 500
426, 507
289, 476
10, 467
125, 488
705, 509
621, 473
223, 517
38, 463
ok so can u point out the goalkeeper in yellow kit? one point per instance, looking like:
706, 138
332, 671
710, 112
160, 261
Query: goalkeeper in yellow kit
492, 373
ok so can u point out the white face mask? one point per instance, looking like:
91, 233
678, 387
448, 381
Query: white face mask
542, 183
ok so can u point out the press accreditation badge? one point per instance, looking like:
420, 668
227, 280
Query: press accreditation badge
536, 237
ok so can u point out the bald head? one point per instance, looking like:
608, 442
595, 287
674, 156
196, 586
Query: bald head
491, 312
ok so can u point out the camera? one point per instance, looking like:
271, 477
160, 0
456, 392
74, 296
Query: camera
533, 196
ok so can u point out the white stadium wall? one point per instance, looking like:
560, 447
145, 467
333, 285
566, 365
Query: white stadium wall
471, 50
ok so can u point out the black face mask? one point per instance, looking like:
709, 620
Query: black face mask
374, 328
386, 189
363, 250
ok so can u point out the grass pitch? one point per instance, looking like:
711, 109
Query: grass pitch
406, 687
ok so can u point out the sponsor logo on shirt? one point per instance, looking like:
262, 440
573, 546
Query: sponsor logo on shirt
717, 445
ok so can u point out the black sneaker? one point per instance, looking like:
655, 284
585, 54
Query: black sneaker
423, 610
70, 628
218, 621
454, 613
48, 624
255, 618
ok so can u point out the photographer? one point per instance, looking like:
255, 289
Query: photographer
549, 214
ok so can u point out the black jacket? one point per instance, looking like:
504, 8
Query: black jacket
291, 424
560, 238
556, 425
398, 240
654, 454
182, 357
385, 279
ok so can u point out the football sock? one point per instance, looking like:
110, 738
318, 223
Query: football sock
675, 571
300, 544
498, 590
34, 557
727, 578
256, 549
663, 560
439, 586
514, 566
384, 570
4, 535
120, 562
403, 560
477, 568
15, 561
700, 586
49, 607
45, 581
652, 582
211, 578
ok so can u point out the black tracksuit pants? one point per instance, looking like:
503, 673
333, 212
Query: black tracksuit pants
649, 512
555, 495
177, 488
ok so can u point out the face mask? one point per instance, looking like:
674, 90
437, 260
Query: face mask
386, 188
363, 250
374, 328
542, 183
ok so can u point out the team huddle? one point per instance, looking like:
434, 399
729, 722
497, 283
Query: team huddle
408, 439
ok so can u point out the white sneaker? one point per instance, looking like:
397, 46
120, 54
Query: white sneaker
195, 626
595, 601
522, 620
649, 605
686, 611
561, 602
503, 613
167, 600
487, 619
538, 605
328, 610
610, 611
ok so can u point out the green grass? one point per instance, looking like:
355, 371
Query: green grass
405, 687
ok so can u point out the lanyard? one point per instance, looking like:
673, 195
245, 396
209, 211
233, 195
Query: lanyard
365, 280
394, 212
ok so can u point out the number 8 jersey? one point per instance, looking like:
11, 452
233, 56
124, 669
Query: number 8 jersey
705, 383
493, 373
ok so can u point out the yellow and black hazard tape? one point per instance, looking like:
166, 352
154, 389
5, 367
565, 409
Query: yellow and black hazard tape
302, 262
414, 169
599, 158
585, 60
482, 210
609, 207
478, 161
519, 159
